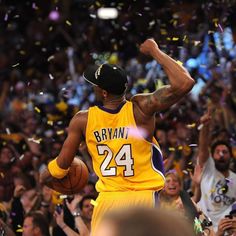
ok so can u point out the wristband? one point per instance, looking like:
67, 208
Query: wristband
56, 171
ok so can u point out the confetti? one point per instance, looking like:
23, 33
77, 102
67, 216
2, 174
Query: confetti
175, 39
15, 65
35, 140
196, 42
59, 132
2, 175
171, 149
50, 58
93, 16
63, 196
221, 29
193, 145
179, 62
151, 23
8, 131
190, 126
21, 157
6, 17
68, 23
34, 6
37, 109
200, 126
51, 77
50, 122
94, 203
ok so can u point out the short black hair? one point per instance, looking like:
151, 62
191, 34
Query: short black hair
220, 142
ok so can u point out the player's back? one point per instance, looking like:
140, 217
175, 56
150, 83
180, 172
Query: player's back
122, 159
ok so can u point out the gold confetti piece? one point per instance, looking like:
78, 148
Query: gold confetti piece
191, 125
19, 230
50, 122
180, 147
175, 39
59, 132
19, 226
171, 149
179, 62
2, 175
15, 65
50, 28
37, 109
185, 36
68, 22
94, 203
212, 190
163, 32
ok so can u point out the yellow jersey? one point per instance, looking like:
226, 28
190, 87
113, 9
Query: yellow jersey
122, 159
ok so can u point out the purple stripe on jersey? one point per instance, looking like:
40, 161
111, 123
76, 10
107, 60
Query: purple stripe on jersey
157, 159
111, 110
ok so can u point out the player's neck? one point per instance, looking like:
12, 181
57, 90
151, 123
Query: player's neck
113, 102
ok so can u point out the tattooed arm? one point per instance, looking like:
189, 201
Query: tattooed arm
180, 82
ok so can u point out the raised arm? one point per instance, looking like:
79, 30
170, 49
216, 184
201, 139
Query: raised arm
180, 82
204, 138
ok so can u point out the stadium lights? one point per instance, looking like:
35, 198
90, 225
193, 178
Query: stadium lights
107, 13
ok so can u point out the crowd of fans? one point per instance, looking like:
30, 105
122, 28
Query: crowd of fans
44, 48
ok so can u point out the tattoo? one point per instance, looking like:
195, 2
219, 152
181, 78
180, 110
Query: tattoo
165, 96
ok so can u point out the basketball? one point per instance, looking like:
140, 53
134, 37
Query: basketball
74, 181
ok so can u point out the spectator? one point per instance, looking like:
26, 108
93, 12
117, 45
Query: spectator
218, 185
35, 224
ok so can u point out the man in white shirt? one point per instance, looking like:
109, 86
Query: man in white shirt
218, 184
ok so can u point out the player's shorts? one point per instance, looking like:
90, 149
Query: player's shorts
108, 201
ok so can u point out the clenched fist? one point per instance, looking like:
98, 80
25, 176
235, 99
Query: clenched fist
148, 47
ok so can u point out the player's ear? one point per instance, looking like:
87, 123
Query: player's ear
104, 94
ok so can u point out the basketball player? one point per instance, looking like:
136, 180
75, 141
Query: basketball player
119, 135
